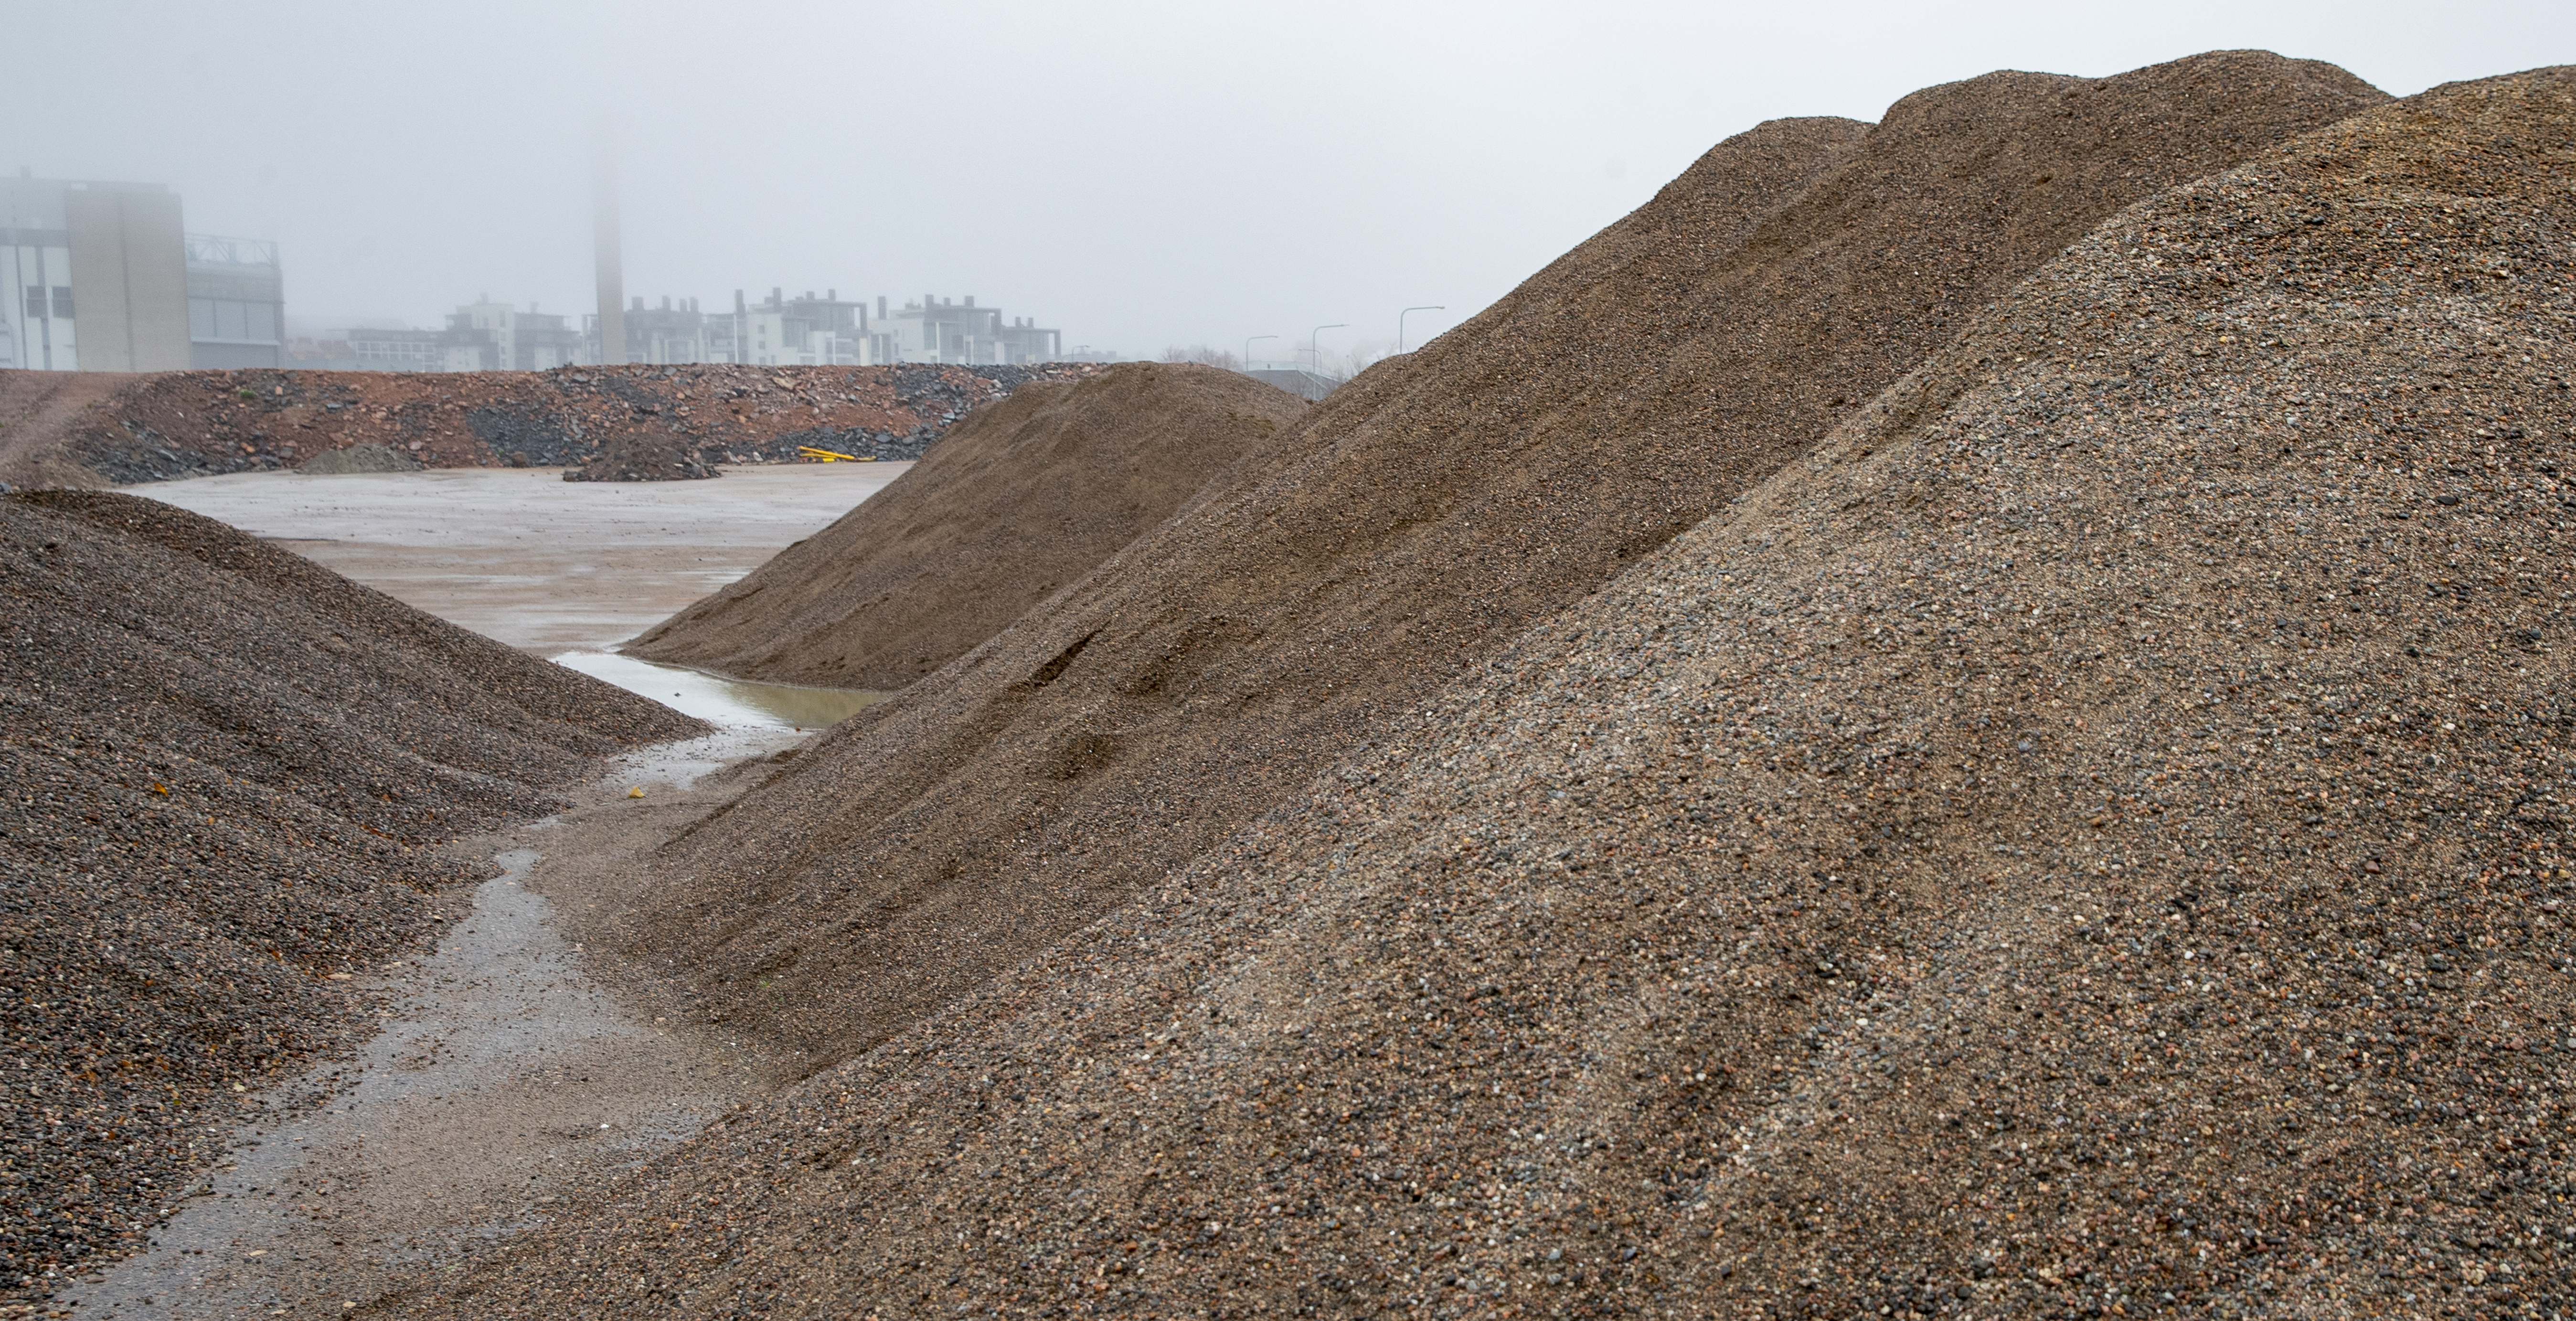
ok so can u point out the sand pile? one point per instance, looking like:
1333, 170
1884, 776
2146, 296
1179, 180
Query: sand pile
95, 429
1021, 498
360, 458
224, 765
643, 454
1430, 508
2088, 840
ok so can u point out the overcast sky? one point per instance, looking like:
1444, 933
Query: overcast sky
1138, 175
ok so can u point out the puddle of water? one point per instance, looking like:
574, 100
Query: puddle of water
728, 702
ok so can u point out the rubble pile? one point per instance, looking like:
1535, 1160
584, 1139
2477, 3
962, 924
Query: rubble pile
643, 454
199, 423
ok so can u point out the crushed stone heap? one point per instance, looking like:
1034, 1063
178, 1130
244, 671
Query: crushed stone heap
644, 454
1431, 508
1022, 497
224, 770
2088, 839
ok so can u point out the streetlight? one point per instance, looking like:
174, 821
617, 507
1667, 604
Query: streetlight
1316, 348
1399, 321
1247, 348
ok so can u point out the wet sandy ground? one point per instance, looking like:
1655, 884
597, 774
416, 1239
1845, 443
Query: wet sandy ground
506, 1072
521, 555
511, 1064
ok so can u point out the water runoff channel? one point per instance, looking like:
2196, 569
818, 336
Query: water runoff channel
504, 1074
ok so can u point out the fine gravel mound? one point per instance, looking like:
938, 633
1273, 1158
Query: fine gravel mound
225, 766
359, 458
2090, 839
644, 454
1021, 498
1429, 509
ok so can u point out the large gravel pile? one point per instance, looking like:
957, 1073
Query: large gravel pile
1021, 498
96, 428
2088, 840
1429, 509
224, 766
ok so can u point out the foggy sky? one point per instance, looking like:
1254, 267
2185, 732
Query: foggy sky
1140, 176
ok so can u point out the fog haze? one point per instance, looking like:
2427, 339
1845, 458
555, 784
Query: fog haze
1140, 176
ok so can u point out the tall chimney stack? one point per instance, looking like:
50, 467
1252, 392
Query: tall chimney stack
604, 242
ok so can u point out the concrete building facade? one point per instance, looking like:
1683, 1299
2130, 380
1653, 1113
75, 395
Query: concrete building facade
236, 303
99, 276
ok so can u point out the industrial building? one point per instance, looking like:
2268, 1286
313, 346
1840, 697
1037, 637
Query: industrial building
99, 276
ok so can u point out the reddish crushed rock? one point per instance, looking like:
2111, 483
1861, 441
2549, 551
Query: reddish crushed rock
2089, 839
1427, 510
193, 424
225, 766
1021, 498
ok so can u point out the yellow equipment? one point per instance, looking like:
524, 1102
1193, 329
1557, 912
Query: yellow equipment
832, 456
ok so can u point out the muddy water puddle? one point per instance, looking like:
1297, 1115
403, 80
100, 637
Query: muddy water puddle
731, 703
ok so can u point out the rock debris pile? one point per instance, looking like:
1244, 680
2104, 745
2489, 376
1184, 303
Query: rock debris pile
644, 454
223, 767
1023, 497
1337, 579
100, 429
2086, 837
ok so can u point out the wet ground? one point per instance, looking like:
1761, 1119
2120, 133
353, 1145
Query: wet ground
511, 1063
506, 1070
521, 555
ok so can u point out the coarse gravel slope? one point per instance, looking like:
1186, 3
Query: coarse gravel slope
221, 771
1025, 495
2089, 839
1426, 511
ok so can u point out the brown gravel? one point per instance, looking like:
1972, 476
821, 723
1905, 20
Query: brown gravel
223, 767
2088, 840
1426, 511
95, 429
1022, 497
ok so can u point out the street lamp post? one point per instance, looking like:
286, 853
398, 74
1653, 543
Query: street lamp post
1315, 346
1247, 348
1399, 321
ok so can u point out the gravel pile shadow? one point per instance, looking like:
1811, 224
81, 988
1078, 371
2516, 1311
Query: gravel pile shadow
225, 766
1023, 497
1430, 508
2089, 839
96, 429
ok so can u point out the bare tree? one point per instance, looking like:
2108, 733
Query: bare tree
1201, 353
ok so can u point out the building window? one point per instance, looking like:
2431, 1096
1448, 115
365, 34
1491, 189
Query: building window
36, 300
63, 301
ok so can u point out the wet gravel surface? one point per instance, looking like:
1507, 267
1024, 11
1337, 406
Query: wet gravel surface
2088, 840
224, 767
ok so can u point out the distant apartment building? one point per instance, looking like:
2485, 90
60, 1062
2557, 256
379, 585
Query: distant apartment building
936, 330
825, 330
99, 276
